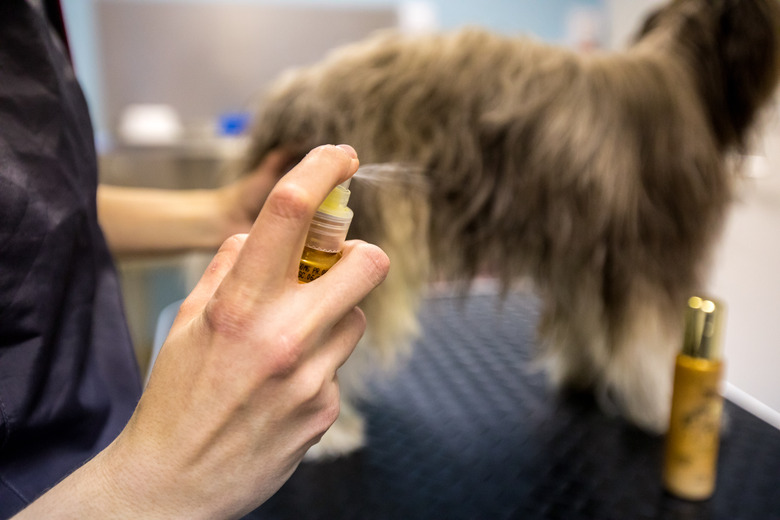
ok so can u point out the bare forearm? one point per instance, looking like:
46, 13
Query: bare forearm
86, 493
142, 220
115, 486
139, 220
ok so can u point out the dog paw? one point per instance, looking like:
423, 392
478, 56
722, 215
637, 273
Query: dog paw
345, 436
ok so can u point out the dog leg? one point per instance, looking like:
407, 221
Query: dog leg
376, 356
638, 375
628, 364
345, 436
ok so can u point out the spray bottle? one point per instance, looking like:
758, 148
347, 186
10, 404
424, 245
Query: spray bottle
327, 233
690, 464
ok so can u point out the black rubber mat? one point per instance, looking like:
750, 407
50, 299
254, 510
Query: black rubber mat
467, 430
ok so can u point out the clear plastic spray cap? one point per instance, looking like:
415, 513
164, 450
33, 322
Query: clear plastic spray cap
330, 224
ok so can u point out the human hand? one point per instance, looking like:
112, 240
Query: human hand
152, 221
240, 201
246, 381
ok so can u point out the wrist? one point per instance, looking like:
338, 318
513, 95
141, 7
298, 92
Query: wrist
113, 485
129, 480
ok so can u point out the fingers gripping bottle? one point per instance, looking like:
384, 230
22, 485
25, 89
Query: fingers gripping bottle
327, 233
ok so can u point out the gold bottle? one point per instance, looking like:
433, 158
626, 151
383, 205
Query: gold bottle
326, 236
691, 452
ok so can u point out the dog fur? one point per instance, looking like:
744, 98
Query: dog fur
604, 178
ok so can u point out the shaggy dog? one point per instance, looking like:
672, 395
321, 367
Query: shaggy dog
602, 178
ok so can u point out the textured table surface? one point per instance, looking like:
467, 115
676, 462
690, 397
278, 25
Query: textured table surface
467, 430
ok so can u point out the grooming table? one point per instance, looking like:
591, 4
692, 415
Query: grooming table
467, 429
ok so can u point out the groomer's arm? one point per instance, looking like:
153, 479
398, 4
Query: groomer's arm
246, 381
143, 221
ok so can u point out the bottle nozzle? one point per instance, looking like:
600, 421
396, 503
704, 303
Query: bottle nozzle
703, 328
335, 204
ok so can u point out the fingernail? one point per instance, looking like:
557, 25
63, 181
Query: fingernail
350, 151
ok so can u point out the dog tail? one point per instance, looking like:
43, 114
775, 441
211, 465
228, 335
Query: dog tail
733, 47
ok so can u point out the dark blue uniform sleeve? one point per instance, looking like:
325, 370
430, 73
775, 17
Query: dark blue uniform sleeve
68, 376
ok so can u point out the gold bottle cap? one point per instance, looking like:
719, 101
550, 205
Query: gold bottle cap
703, 328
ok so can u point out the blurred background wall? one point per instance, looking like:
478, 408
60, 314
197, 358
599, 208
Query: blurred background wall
206, 59
561, 21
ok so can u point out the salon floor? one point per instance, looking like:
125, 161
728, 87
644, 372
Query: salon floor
747, 277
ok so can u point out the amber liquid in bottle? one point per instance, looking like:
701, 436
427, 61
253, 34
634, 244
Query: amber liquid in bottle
315, 263
691, 457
